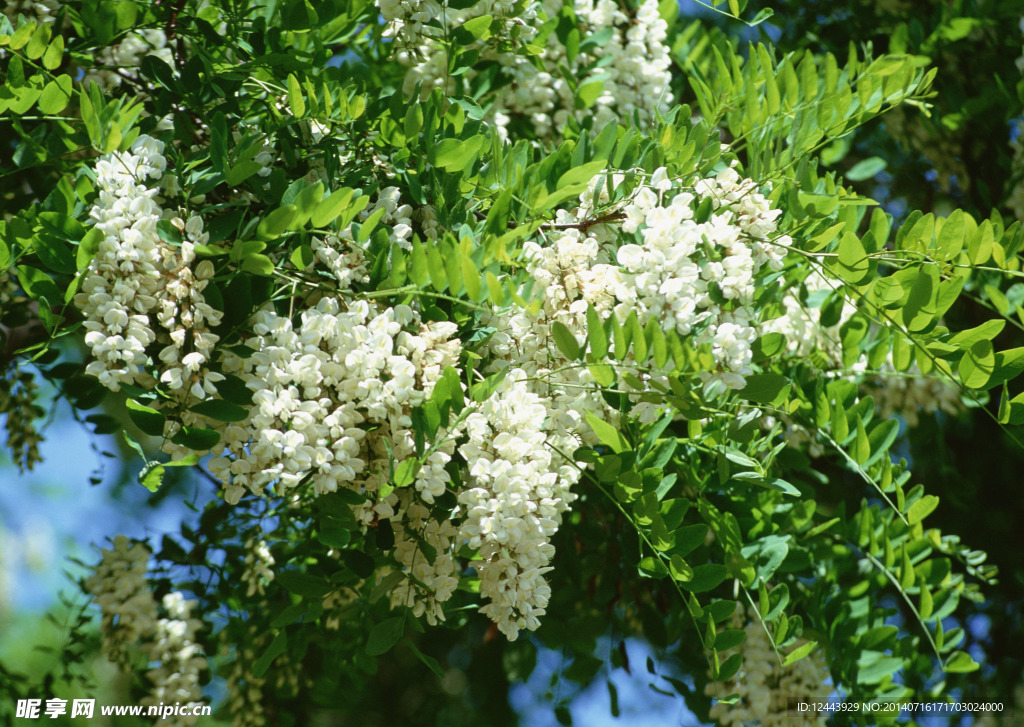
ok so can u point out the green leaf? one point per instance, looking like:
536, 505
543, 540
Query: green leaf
919, 311
922, 509
220, 410
152, 476
951, 236
384, 635
87, 248
770, 388
596, 334
276, 648
652, 567
54, 54
56, 95
873, 667
861, 449
302, 257
478, 28
566, 341
303, 584
276, 223
454, 154
731, 665
330, 208
607, 434
880, 438
405, 473
429, 661
258, 264
959, 662
854, 265
706, 577
495, 292
729, 639
38, 284
167, 232
987, 331
799, 653
288, 616
680, 569
435, 264
306, 203
367, 226
413, 120
150, 421
471, 279
977, 365
581, 174
39, 41
242, 171
483, 390
295, 100
22, 35
197, 438
866, 169
54, 253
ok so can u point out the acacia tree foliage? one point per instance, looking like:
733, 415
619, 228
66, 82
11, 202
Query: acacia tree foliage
505, 324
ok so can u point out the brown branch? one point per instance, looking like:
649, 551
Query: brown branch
582, 226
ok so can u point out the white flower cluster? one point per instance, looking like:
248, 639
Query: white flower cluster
672, 270
332, 404
519, 483
408, 20
317, 384
801, 325
139, 290
432, 578
42, 11
245, 693
626, 73
131, 625
345, 259
910, 393
120, 62
258, 566
907, 394
18, 396
119, 588
397, 217
519, 486
630, 69
671, 276
769, 695
418, 26
180, 660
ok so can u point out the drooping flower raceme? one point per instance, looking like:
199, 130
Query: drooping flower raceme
131, 625
119, 62
696, 278
139, 290
119, 588
179, 661
907, 393
769, 693
624, 75
518, 489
